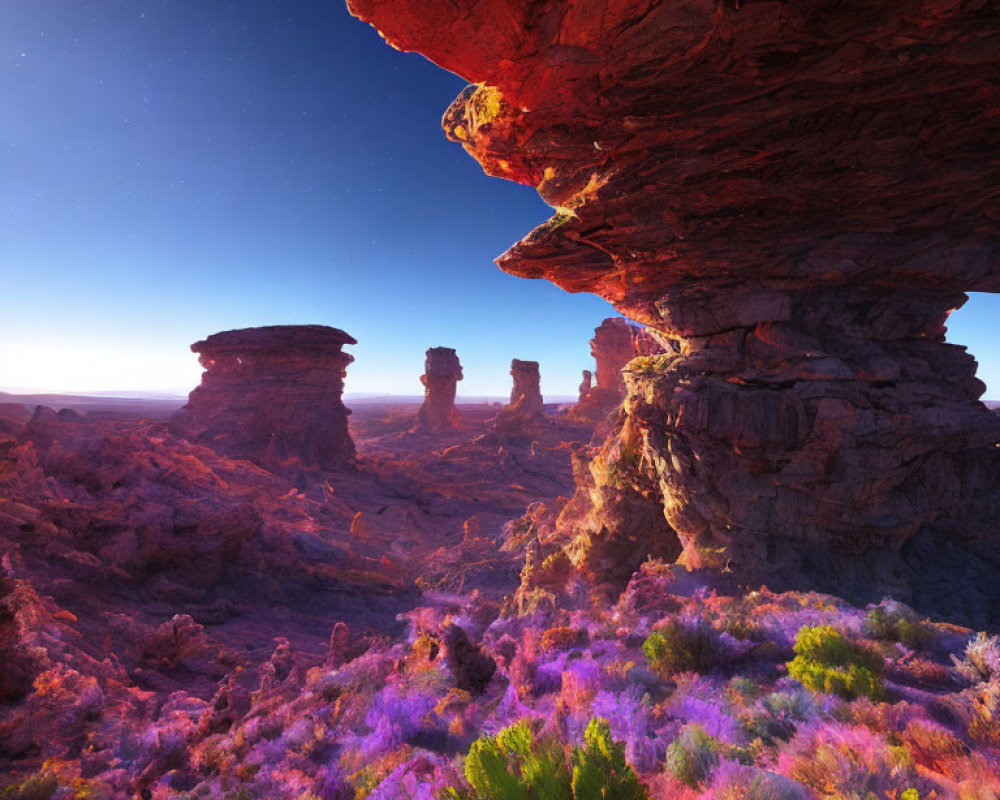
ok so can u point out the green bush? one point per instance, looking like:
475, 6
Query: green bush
600, 769
682, 647
895, 622
514, 765
692, 756
827, 662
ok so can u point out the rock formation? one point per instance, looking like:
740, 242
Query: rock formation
612, 347
442, 372
272, 395
794, 195
521, 417
526, 393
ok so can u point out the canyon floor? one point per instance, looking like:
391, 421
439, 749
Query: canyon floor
121, 525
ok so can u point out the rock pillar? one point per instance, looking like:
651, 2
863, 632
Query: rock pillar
526, 393
585, 385
521, 418
442, 372
612, 347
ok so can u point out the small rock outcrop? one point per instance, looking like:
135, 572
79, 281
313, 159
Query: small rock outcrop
794, 196
613, 346
471, 669
273, 395
14, 412
442, 372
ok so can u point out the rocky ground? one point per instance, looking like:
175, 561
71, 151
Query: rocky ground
129, 552
178, 624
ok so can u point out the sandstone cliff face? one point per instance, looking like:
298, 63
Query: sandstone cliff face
793, 196
272, 395
442, 372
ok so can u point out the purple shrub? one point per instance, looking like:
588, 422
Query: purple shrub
732, 781
510, 709
421, 778
709, 714
395, 717
628, 716
548, 675
331, 784
581, 680
835, 759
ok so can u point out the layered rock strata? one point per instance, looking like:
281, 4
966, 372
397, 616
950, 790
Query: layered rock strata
793, 196
442, 372
273, 395
613, 346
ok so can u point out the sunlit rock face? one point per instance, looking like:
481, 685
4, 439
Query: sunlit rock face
612, 347
793, 195
442, 372
273, 395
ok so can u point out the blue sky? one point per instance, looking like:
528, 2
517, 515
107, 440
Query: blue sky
174, 168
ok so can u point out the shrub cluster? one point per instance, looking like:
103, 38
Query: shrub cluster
825, 661
683, 646
894, 622
515, 765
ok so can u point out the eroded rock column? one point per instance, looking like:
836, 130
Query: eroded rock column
442, 372
612, 347
273, 395
526, 393
585, 385
836, 442
522, 416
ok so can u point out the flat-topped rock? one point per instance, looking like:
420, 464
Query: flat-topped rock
273, 395
274, 337
526, 393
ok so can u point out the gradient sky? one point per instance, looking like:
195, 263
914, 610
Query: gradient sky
172, 168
